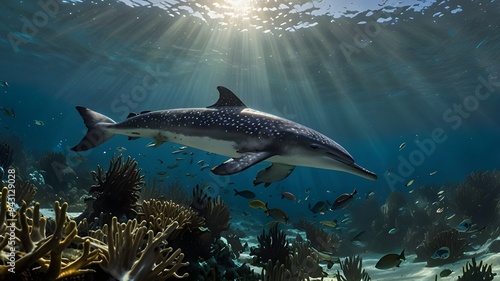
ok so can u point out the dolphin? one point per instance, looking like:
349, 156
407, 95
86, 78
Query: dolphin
229, 128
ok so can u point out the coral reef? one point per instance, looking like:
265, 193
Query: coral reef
46, 252
116, 193
352, 270
475, 272
6, 155
128, 255
432, 242
476, 197
272, 246
160, 214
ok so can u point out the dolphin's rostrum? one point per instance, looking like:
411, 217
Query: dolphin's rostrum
229, 128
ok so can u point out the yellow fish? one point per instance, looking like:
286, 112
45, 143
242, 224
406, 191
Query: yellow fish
257, 204
329, 223
410, 183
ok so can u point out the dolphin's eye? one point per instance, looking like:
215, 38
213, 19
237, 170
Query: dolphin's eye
314, 146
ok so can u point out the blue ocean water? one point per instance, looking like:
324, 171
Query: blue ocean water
371, 75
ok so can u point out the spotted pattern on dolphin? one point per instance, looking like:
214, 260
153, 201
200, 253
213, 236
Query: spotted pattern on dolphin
229, 128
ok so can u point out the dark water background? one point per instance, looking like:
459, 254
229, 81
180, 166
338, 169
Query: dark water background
369, 75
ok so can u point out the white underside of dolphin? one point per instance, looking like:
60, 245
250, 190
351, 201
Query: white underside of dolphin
229, 128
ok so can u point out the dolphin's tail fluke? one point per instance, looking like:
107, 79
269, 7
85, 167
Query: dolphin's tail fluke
97, 132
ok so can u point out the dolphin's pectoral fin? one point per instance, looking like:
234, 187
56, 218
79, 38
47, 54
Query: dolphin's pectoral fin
273, 173
236, 165
159, 140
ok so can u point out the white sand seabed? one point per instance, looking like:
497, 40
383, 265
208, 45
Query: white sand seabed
407, 271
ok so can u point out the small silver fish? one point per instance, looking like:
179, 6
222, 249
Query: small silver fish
402, 145
393, 230
39, 123
121, 149
288, 195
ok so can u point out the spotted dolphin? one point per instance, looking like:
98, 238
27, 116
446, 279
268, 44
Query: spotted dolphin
229, 128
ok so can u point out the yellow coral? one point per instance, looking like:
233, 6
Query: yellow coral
47, 251
130, 257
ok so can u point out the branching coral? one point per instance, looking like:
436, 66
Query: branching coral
272, 246
159, 214
116, 192
47, 251
129, 257
352, 268
474, 272
447, 238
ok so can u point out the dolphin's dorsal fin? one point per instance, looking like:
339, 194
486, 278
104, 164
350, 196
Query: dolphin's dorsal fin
227, 98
